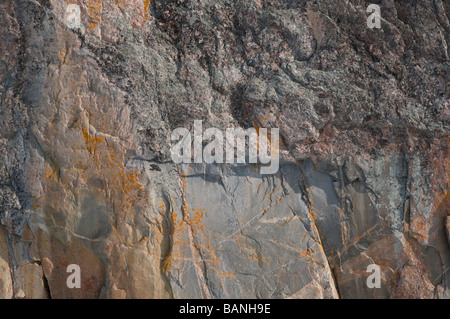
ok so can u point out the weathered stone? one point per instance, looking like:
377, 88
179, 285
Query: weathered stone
448, 229
31, 279
6, 287
86, 178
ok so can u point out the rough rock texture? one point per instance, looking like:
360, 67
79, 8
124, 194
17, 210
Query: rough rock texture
86, 177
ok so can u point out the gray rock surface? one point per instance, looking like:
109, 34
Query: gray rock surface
86, 177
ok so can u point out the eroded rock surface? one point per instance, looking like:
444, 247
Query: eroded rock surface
86, 177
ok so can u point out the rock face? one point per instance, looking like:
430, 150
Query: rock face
86, 115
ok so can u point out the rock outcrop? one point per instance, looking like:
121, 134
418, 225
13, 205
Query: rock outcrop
86, 178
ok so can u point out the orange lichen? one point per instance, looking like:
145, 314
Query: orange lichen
419, 228
187, 227
35, 201
121, 3
63, 54
146, 8
98, 165
95, 8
